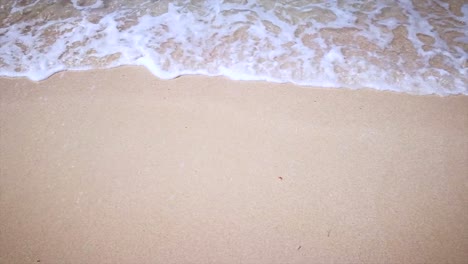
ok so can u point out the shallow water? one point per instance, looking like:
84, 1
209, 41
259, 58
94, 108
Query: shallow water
419, 47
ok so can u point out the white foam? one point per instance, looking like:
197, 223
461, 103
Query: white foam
96, 4
319, 43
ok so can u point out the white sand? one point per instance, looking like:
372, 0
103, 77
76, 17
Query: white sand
116, 166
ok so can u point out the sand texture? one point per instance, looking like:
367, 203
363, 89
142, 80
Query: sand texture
116, 166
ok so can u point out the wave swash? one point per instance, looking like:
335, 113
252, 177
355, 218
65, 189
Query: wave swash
417, 47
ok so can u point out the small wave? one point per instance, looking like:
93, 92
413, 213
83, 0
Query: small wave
418, 47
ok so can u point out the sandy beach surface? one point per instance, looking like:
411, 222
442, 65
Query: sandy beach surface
116, 166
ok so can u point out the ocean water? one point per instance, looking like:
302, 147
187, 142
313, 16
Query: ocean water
417, 47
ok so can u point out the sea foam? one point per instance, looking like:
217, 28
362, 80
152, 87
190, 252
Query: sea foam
418, 47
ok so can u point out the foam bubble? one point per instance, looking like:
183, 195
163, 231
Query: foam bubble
78, 6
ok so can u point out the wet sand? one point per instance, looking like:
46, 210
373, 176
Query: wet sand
116, 166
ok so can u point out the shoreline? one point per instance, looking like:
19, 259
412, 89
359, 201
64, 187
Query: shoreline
247, 82
116, 165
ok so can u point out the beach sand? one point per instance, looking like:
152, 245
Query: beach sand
117, 166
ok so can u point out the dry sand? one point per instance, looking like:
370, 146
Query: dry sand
117, 166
